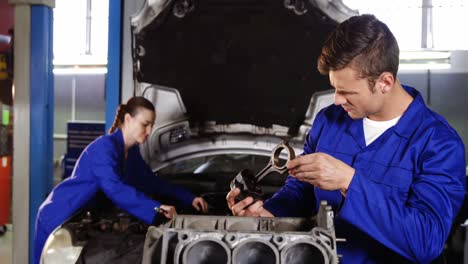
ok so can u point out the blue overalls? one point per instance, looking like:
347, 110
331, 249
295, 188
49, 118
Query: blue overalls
102, 167
408, 185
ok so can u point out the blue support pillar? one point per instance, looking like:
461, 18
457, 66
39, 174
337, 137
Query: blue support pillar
113, 61
41, 113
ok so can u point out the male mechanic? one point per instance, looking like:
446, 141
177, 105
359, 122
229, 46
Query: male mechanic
392, 169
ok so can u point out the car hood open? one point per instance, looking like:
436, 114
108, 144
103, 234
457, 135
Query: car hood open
229, 66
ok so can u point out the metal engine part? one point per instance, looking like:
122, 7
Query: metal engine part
247, 182
190, 239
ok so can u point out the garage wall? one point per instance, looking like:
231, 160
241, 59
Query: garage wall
6, 20
78, 97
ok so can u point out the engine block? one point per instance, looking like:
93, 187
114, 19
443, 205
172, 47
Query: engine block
191, 239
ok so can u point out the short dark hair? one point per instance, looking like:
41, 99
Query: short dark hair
132, 106
364, 43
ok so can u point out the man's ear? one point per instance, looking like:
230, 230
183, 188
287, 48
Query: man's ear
386, 82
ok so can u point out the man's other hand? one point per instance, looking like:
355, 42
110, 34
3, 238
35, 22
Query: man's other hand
245, 207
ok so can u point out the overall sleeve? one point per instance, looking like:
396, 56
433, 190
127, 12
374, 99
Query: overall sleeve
155, 185
418, 226
106, 170
297, 198
294, 199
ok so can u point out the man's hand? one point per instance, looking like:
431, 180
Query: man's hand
200, 204
242, 208
323, 171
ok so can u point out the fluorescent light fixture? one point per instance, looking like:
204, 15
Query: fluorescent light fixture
421, 60
5, 39
411, 55
80, 70
425, 66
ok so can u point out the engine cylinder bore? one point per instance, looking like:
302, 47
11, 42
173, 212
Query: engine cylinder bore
304, 252
206, 251
255, 251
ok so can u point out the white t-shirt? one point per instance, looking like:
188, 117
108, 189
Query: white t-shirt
373, 129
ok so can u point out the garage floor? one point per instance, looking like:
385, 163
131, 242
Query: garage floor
5, 246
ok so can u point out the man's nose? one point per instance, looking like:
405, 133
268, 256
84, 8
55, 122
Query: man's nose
339, 99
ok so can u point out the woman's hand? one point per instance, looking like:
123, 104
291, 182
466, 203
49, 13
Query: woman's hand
168, 211
200, 204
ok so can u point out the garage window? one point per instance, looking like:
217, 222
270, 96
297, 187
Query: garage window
423, 28
81, 32
420, 24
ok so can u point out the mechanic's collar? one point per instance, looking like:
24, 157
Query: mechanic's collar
411, 118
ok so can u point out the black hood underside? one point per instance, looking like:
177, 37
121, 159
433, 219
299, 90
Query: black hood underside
236, 61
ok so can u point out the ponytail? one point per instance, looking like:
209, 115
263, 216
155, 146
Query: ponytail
119, 117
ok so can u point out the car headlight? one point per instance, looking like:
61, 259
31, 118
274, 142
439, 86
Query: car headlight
59, 248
